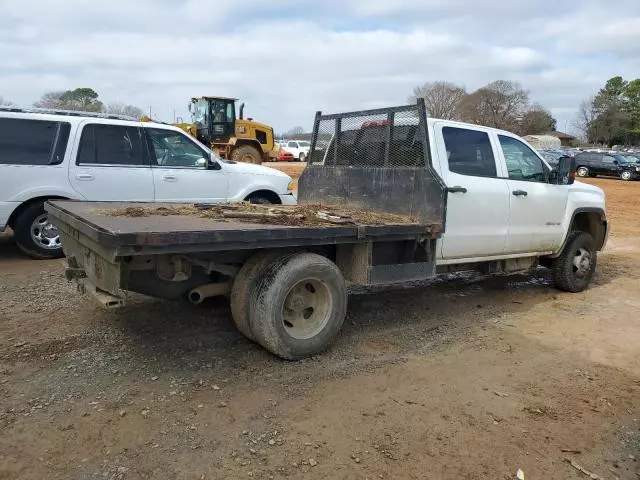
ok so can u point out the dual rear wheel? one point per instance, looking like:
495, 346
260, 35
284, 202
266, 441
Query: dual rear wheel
292, 304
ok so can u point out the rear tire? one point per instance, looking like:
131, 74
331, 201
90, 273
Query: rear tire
298, 305
302, 157
573, 270
242, 285
582, 172
34, 234
246, 154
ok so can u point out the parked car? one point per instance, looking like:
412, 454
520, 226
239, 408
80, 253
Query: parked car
551, 156
54, 154
592, 164
285, 156
298, 148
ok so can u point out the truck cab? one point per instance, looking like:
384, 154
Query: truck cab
503, 200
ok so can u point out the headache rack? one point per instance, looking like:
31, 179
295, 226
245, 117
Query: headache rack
375, 160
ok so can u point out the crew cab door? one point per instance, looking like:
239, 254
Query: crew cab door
180, 172
477, 220
111, 164
536, 206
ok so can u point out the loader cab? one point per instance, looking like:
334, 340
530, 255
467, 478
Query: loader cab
214, 118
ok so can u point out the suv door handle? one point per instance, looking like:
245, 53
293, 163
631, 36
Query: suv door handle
84, 176
520, 193
169, 178
456, 189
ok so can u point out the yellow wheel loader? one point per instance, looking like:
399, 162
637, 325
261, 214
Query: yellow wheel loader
214, 123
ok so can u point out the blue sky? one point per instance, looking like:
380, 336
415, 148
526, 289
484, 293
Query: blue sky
288, 58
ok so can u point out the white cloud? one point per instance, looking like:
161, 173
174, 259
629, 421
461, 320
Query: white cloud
289, 58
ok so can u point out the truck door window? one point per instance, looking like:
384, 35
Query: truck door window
102, 144
522, 162
292, 145
173, 149
469, 152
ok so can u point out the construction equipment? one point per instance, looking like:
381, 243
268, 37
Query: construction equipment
214, 123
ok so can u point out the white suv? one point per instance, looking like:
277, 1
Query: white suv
56, 154
298, 148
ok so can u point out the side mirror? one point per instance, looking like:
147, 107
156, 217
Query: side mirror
212, 163
616, 162
565, 173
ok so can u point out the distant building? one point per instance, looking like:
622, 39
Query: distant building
566, 140
543, 141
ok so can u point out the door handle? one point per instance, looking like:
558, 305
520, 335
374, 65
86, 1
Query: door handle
456, 189
520, 193
84, 176
170, 178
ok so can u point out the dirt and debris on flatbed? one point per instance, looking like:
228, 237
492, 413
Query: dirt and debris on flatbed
289, 215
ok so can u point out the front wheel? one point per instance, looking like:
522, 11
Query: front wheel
574, 268
35, 235
626, 175
298, 305
302, 157
582, 172
247, 154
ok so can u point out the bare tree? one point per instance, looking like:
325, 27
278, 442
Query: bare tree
500, 104
587, 113
6, 103
535, 120
294, 131
441, 98
50, 100
119, 108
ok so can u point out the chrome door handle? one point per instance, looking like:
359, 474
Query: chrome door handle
169, 178
84, 176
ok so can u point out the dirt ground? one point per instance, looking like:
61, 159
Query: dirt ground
460, 378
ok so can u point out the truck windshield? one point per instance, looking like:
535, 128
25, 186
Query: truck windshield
199, 112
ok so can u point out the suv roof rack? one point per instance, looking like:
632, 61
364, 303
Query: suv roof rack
72, 113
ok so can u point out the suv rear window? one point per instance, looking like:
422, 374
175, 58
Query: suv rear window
32, 142
103, 144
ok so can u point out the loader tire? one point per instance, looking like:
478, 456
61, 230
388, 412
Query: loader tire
573, 270
298, 305
247, 154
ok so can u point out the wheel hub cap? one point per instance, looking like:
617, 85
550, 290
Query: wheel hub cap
306, 309
582, 262
45, 234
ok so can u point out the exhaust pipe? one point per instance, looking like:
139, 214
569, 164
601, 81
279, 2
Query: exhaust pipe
198, 294
241, 111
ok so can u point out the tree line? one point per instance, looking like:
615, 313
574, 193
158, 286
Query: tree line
612, 115
500, 104
82, 99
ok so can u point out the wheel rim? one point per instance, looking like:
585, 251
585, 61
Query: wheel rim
581, 262
302, 157
44, 233
582, 172
307, 309
626, 175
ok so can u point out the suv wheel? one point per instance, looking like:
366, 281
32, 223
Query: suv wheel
582, 172
35, 235
626, 175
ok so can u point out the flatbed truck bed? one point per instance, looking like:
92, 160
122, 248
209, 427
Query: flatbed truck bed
287, 283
